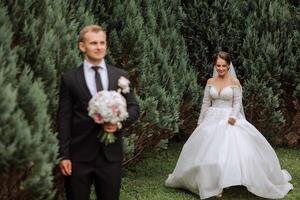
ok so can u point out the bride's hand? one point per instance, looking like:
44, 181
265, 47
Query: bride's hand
231, 121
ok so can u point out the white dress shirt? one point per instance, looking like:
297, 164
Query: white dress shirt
89, 75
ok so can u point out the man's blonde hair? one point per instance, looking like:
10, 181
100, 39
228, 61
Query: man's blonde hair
89, 28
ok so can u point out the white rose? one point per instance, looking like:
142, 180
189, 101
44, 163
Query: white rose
123, 83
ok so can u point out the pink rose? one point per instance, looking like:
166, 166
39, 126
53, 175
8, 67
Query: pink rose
98, 119
115, 109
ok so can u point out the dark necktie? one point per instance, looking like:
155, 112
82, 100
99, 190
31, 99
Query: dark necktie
97, 78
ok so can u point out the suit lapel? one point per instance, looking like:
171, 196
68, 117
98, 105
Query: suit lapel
112, 76
82, 83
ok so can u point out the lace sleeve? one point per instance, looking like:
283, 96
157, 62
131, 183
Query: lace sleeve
237, 102
205, 104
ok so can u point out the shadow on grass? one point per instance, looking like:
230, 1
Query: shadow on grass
232, 193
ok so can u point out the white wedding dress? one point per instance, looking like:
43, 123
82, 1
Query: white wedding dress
218, 155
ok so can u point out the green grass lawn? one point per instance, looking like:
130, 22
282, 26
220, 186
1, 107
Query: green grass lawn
145, 180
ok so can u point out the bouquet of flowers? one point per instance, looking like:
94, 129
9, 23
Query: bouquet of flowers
110, 106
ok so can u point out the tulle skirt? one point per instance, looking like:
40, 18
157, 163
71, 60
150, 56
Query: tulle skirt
218, 155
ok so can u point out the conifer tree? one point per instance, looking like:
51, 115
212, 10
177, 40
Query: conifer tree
211, 26
264, 49
46, 33
270, 52
28, 148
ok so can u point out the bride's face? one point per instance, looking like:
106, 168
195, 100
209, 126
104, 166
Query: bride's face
222, 67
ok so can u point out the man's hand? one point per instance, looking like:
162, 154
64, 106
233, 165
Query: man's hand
66, 167
110, 128
231, 121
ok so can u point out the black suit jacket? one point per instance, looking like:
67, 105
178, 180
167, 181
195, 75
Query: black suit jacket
77, 132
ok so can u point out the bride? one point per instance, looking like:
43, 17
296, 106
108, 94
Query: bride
225, 149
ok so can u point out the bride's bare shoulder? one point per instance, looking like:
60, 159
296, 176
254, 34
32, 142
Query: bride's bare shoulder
210, 81
236, 82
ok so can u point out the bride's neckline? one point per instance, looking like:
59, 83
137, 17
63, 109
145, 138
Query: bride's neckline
220, 90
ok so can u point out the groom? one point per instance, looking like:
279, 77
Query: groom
84, 161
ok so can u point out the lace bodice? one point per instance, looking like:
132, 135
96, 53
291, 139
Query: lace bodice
229, 96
